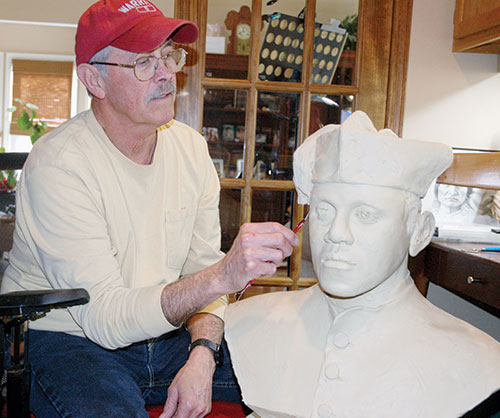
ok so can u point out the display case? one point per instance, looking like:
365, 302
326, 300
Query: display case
254, 116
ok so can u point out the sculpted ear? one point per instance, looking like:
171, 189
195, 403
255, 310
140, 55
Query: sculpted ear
92, 80
422, 232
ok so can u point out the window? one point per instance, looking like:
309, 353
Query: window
49, 82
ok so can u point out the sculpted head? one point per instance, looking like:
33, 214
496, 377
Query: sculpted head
364, 187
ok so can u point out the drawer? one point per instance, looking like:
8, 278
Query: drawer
472, 277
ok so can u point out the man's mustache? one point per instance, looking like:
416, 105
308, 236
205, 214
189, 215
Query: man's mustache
168, 88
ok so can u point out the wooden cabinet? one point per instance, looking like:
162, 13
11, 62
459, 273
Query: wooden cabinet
471, 276
477, 26
372, 77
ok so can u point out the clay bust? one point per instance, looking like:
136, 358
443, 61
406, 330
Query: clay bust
364, 342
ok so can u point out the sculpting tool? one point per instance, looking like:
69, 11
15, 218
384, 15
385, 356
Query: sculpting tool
295, 230
482, 250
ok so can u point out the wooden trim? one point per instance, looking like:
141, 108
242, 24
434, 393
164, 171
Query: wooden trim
189, 79
333, 89
480, 170
296, 257
282, 185
229, 183
225, 83
374, 44
398, 65
251, 112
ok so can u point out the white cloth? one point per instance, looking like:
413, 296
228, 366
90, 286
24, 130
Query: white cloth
89, 217
296, 355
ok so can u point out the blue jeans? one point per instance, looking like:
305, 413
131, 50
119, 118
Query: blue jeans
73, 377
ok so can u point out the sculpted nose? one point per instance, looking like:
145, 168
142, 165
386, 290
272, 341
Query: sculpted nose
339, 231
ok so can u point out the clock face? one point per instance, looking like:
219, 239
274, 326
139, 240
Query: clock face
243, 31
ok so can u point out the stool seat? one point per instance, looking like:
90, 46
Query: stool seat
38, 301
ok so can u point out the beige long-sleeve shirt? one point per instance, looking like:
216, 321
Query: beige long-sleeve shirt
89, 217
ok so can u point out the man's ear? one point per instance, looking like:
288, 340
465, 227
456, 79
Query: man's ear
92, 80
422, 233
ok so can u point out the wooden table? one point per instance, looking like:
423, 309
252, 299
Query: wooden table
472, 276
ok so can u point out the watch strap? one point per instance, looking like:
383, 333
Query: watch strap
216, 349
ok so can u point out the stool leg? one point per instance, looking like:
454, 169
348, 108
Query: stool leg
18, 378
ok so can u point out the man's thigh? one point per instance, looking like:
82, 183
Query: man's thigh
72, 376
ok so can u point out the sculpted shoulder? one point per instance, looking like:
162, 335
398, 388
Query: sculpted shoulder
275, 308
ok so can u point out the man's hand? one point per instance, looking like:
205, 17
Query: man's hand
190, 394
257, 251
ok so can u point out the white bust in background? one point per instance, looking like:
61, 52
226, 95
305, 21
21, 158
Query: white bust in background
364, 342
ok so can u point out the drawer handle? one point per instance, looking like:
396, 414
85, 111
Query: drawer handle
472, 279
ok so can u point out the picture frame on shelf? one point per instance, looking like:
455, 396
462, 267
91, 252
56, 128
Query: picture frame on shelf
228, 133
219, 166
260, 138
239, 135
212, 134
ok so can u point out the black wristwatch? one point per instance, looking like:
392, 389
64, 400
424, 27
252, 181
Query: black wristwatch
216, 349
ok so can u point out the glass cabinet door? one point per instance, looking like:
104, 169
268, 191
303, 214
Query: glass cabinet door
264, 75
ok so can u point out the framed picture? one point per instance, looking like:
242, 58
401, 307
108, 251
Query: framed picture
260, 138
228, 132
212, 134
219, 166
239, 135
462, 213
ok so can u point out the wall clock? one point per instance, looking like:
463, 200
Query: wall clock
239, 25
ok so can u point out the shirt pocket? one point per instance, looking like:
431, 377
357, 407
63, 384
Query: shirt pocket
179, 227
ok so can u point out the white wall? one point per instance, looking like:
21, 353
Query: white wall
453, 98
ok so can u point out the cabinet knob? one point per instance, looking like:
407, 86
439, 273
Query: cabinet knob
472, 279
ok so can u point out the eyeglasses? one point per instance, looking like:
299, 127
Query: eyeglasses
145, 67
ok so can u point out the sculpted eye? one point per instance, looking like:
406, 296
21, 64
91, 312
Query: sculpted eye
325, 211
366, 214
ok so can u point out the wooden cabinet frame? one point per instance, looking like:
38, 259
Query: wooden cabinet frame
378, 86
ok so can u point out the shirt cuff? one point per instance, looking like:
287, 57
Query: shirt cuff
217, 307
150, 314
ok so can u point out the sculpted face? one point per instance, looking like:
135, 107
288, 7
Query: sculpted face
359, 236
148, 102
451, 196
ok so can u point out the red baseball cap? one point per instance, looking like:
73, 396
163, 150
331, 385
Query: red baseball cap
132, 25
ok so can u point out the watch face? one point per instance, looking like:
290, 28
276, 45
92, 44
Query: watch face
243, 31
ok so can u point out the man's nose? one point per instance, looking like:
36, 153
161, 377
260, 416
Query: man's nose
163, 72
340, 231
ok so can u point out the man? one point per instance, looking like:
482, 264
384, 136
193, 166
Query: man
123, 201
365, 342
